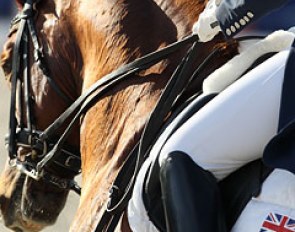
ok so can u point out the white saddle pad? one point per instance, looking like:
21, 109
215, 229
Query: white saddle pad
274, 209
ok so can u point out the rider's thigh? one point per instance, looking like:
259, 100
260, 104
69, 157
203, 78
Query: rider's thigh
233, 128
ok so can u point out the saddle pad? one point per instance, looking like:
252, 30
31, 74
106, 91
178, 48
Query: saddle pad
273, 209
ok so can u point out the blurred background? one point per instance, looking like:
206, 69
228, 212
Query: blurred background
7, 12
283, 18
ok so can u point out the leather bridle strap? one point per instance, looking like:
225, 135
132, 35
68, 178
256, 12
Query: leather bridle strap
27, 15
14, 81
24, 133
26, 31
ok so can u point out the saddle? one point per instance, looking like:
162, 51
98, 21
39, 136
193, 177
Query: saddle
236, 190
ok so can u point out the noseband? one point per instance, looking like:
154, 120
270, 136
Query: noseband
23, 132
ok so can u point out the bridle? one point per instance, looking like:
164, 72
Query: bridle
23, 132
45, 149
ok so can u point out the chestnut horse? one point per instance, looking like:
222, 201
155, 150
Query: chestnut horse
82, 41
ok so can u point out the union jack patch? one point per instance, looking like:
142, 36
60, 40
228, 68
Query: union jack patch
275, 222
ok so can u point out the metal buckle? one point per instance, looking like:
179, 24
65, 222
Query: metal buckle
27, 169
67, 162
35, 139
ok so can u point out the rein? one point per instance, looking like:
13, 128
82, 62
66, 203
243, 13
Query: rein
55, 152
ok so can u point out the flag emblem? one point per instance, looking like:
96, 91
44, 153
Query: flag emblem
278, 223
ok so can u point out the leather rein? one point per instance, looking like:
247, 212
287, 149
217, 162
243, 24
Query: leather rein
45, 150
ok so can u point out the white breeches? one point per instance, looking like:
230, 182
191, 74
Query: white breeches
227, 133
235, 126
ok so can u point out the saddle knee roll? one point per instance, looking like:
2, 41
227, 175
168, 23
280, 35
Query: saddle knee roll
190, 196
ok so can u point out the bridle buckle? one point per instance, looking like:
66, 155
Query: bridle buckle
27, 169
68, 161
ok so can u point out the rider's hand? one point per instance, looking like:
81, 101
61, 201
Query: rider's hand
207, 25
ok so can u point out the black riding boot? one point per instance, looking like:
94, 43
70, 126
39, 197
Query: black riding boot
190, 196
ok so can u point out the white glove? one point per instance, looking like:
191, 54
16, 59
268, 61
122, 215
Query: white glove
207, 25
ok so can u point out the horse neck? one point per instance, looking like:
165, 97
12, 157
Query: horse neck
112, 33
108, 29
183, 13
109, 35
